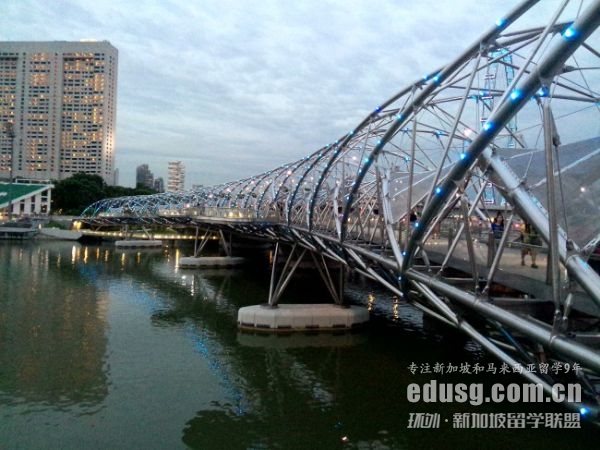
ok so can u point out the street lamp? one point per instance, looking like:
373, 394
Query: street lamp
10, 131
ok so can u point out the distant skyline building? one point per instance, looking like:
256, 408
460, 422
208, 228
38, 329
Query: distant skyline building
61, 98
144, 176
159, 184
176, 176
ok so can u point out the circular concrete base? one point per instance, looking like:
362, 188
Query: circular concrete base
301, 317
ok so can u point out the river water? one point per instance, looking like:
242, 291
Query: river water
109, 349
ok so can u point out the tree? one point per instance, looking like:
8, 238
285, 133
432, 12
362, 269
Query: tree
121, 191
72, 195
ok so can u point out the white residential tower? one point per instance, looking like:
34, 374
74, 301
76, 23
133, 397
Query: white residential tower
61, 99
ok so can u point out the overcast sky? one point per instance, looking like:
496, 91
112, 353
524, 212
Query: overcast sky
236, 87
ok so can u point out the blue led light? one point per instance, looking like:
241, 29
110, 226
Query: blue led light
570, 34
437, 79
500, 22
366, 160
516, 94
399, 117
416, 224
403, 254
438, 190
488, 126
485, 95
378, 109
583, 411
544, 91
463, 155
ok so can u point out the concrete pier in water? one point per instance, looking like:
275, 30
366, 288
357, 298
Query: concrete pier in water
301, 317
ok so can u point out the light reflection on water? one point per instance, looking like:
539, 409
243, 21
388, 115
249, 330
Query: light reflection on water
102, 348
45, 312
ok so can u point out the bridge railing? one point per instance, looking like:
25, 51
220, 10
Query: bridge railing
213, 212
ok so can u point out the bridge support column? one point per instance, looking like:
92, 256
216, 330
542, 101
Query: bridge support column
198, 248
224, 243
302, 317
277, 286
280, 281
197, 261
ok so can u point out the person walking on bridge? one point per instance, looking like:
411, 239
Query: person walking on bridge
531, 240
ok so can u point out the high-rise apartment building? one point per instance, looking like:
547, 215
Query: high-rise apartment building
61, 98
176, 176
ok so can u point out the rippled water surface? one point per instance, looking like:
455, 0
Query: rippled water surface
103, 349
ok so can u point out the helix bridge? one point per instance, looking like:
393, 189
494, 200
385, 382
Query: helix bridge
509, 127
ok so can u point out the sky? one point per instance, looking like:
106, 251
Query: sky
233, 88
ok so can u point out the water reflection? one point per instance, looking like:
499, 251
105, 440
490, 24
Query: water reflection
130, 340
305, 398
300, 340
52, 321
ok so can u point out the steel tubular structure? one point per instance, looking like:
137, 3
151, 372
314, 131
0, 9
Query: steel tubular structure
406, 198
